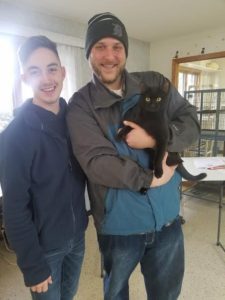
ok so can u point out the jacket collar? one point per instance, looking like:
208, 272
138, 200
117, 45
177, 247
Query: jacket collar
27, 112
102, 97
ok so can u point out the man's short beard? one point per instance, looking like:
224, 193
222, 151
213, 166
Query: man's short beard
105, 80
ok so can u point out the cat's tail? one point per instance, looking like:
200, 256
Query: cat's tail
188, 176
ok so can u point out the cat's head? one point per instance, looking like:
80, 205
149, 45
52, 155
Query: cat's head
154, 98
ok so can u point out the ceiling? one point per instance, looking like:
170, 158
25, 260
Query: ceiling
146, 20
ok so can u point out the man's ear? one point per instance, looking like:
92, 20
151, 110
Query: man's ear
24, 78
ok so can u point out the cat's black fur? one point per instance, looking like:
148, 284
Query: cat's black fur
150, 114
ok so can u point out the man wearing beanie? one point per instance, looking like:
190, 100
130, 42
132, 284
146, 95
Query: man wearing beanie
135, 213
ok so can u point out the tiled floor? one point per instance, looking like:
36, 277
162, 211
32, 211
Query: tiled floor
205, 262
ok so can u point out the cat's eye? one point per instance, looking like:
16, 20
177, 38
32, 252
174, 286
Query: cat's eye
158, 99
147, 99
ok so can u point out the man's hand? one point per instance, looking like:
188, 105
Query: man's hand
42, 287
138, 138
167, 174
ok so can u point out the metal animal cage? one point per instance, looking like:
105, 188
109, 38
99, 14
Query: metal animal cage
210, 106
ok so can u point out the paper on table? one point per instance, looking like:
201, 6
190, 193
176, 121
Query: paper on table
212, 163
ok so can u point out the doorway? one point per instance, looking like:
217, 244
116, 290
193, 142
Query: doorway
205, 71
201, 80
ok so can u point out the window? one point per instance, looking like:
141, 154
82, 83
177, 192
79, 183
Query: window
6, 75
6, 78
188, 80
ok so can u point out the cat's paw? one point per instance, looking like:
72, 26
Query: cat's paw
158, 173
122, 132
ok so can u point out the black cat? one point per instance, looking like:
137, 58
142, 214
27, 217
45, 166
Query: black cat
150, 114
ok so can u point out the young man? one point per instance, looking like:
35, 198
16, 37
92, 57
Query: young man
136, 214
43, 187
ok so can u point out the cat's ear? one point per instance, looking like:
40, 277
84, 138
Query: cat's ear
166, 86
143, 87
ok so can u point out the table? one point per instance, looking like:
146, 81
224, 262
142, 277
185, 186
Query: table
217, 175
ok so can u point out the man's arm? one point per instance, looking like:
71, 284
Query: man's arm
138, 138
43, 286
98, 156
184, 125
15, 172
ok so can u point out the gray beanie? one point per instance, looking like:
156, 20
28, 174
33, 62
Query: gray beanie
105, 25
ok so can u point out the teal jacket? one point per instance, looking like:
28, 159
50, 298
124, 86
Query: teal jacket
116, 173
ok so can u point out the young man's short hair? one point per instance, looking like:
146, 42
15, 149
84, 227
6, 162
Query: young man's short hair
33, 43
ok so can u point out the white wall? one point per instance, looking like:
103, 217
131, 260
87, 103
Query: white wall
138, 56
14, 15
16, 19
162, 52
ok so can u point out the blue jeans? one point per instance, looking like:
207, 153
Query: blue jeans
65, 264
160, 254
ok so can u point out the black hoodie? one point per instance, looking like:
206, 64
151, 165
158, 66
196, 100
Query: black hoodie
43, 187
